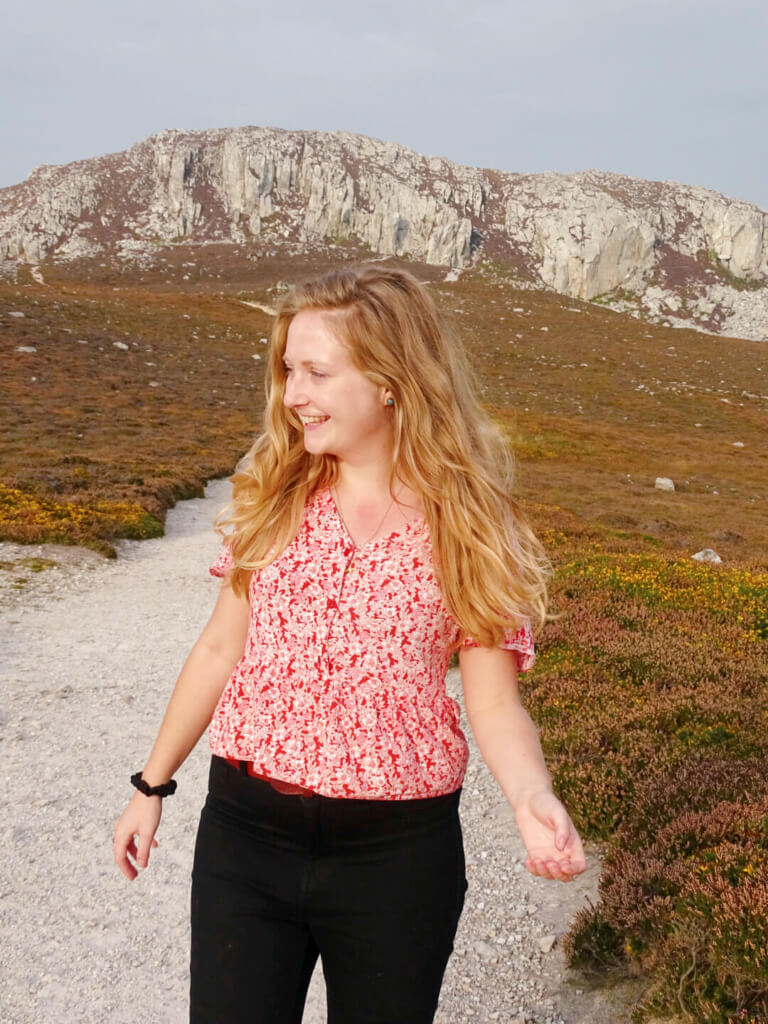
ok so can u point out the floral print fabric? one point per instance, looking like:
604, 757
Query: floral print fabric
341, 687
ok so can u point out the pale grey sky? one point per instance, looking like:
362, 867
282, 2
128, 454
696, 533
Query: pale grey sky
660, 89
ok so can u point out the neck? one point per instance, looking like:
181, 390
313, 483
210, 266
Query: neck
366, 480
368, 485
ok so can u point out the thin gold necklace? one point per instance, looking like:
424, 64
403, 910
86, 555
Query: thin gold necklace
355, 545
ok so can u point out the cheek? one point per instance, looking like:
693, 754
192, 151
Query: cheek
369, 416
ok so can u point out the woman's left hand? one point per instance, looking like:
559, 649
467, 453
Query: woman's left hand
551, 841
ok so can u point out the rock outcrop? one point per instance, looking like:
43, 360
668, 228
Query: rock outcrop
677, 253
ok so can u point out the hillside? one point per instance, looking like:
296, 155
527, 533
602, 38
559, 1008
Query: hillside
672, 253
134, 385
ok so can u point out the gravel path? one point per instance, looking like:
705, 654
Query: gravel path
90, 650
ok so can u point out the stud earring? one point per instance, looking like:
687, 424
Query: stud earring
390, 401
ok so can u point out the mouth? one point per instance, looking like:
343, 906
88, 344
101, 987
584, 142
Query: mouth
313, 421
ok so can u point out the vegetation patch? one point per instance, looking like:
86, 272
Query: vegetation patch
650, 697
38, 564
709, 258
619, 296
29, 519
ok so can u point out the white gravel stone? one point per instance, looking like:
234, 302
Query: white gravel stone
707, 555
663, 483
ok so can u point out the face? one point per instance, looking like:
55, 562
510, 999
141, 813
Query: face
341, 411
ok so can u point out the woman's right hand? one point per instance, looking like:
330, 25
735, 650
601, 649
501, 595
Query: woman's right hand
135, 833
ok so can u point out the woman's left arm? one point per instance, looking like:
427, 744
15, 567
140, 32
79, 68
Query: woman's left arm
509, 743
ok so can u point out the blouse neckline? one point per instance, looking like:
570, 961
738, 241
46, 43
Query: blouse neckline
411, 525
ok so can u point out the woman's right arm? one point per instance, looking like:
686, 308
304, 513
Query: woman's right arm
193, 701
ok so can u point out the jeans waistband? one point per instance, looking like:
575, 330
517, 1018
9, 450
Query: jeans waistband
255, 799
288, 788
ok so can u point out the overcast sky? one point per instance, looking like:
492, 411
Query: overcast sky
659, 89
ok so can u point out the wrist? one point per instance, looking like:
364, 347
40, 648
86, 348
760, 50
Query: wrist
521, 798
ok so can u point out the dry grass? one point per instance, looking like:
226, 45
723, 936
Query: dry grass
84, 421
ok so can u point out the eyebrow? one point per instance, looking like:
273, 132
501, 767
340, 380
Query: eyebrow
309, 362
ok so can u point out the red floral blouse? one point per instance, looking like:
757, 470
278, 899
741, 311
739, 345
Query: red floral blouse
341, 688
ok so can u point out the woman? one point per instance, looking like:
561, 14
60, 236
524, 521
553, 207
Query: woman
371, 535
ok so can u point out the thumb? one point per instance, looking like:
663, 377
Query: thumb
562, 825
142, 851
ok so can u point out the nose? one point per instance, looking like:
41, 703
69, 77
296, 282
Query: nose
293, 395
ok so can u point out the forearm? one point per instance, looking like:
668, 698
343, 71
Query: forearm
193, 701
509, 743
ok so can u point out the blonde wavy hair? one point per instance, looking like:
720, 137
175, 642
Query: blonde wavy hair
491, 568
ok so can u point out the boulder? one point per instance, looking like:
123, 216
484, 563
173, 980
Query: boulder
707, 555
663, 483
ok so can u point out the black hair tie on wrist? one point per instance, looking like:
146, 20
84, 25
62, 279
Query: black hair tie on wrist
167, 788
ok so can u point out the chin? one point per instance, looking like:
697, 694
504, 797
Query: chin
312, 446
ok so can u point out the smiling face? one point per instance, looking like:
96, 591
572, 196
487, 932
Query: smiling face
341, 411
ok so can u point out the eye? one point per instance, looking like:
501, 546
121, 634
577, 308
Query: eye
316, 373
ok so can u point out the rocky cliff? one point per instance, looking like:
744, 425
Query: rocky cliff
677, 253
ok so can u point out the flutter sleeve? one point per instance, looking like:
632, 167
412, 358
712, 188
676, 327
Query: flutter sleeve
223, 563
520, 641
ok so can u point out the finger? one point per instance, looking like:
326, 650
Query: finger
551, 868
560, 872
121, 844
132, 847
574, 852
127, 869
578, 864
535, 865
555, 872
121, 849
563, 828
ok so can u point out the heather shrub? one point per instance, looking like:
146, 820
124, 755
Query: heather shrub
29, 518
652, 710
688, 910
606, 737
699, 783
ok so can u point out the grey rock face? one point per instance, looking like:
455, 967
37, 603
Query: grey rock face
677, 253
235, 185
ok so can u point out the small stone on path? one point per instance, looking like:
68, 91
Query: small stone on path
546, 942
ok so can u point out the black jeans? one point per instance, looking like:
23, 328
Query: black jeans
374, 887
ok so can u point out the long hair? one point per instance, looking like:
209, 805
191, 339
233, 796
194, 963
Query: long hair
491, 568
